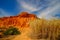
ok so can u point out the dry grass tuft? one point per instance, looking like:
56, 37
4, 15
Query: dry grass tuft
45, 29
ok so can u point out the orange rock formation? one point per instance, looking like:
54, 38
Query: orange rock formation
20, 20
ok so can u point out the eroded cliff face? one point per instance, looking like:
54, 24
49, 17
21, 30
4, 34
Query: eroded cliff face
21, 21
18, 21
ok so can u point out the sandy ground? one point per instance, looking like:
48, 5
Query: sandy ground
24, 35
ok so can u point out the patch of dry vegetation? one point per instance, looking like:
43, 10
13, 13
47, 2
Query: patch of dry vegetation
45, 29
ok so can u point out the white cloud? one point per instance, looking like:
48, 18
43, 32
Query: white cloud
27, 6
48, 13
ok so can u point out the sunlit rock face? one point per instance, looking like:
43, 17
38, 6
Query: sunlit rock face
21, 20
26, 14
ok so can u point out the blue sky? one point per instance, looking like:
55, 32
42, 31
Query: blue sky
42, 8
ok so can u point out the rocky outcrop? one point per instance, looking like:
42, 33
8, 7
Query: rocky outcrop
20, 20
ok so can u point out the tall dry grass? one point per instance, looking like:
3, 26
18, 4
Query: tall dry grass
45, 29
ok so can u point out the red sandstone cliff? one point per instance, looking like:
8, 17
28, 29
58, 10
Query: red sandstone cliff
20, 20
